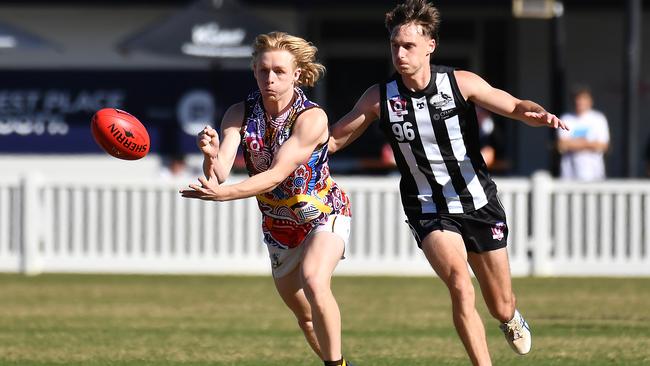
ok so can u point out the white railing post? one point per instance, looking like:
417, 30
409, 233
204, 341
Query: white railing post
542, 188
30, 225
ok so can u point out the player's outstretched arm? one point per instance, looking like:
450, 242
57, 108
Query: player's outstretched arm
477, 90
309, 131
218, 157
352, 125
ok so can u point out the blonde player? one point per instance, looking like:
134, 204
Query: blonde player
306, 216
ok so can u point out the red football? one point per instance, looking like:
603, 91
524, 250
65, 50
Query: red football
120, 134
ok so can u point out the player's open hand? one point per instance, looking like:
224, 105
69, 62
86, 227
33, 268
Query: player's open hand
209, 190
544, 118
208, 142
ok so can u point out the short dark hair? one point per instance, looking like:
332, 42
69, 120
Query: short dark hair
580, 89
419, 12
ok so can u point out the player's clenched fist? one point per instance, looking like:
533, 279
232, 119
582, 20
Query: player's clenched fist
208, 142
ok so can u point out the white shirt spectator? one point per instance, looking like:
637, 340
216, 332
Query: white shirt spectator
584, 165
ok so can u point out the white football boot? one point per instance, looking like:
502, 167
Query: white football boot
518, 334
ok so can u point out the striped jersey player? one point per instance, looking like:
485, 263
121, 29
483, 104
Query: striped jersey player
434, 136
427, 112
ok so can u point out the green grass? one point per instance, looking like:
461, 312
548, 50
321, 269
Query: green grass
178, 320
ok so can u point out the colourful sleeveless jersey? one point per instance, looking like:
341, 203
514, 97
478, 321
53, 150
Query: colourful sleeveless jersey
305, 198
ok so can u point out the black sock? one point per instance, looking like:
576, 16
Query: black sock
333, 363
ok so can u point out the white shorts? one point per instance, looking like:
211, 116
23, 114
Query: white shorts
283, 261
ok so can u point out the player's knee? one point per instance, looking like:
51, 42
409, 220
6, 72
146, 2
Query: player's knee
315, 288
306, 324
461, 290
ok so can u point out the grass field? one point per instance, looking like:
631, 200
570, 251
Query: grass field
177, 320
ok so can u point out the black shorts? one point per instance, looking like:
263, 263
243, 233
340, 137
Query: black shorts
482, 230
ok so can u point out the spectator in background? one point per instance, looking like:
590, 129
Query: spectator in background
387, 157
583, 146
485, 129
491, 142
175, 167
383, 164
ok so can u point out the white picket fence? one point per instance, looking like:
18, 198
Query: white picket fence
112, 226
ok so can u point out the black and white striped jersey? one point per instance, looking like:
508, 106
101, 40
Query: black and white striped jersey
434, 136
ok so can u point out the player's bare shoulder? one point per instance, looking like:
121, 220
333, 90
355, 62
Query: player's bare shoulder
372, 95
370, 101
315, 115
234, 116
315, 119
469, 83
311, 125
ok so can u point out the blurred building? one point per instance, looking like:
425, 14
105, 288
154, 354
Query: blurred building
49, 93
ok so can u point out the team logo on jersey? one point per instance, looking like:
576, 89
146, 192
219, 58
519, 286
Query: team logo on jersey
254, 142
497, 231
447, 113
440, 100
307, 212
398, 105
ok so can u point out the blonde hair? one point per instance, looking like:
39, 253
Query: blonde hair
304, 54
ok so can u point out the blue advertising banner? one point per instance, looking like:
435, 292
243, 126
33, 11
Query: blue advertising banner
49, 112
